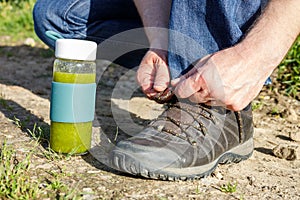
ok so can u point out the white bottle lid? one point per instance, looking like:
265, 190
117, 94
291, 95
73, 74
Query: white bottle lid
75, 49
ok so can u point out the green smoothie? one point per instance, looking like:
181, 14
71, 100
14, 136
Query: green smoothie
71, 137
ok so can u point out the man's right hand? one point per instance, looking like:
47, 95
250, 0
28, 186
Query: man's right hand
153, 74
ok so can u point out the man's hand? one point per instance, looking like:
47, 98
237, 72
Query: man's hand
224, 78
233, 77
153, 74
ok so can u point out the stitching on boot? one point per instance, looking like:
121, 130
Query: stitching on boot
238, 116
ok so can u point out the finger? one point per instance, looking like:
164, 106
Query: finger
214, 103
237, 106
191, 85
200, 97
197, 98
150, 93
162, 77
145, 77
191, 72
163, 96
175, 82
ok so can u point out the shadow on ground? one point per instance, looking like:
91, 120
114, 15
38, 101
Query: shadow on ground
31, 68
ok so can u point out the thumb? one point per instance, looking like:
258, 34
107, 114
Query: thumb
175, 82
189, 86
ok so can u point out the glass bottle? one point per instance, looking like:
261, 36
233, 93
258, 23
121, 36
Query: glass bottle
73, 96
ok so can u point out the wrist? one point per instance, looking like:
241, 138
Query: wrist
264, 51
272, 35
158, 37
258, 62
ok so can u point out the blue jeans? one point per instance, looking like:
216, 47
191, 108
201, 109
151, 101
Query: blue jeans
211, 25
95, 20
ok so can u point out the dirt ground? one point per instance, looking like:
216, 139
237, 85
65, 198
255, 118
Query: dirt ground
25, 85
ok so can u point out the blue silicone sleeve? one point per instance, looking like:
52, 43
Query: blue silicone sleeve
72, 103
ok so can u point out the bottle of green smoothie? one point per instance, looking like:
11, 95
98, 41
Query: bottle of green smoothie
73, 96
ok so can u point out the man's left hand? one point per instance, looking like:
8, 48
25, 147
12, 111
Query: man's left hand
224, 78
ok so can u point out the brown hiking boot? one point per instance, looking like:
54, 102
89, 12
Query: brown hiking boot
187, 141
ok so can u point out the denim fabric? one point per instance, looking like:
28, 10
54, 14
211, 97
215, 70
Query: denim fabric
201, 27
94, 20
82, 19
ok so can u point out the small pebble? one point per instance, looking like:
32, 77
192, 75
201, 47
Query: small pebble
285, 152
251, 179
218, 175
292, 115
29, 42
88, 194
295, 136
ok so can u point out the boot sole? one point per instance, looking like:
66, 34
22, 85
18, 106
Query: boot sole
128, 164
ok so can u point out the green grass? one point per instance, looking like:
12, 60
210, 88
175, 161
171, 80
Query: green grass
15, 183
289, 71
16, 180
16, 19
228, 188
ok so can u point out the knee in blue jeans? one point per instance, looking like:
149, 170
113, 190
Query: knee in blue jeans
66, 17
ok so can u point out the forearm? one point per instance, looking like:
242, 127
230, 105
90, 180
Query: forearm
273, 34
155, 13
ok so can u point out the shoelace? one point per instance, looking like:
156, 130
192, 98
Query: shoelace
194, 111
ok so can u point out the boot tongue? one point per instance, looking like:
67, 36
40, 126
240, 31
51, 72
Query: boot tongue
176, 120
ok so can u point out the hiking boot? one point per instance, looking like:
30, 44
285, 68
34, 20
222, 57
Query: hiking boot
187, 141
